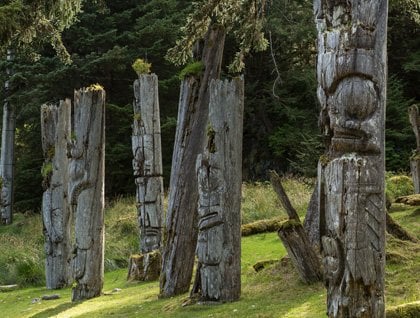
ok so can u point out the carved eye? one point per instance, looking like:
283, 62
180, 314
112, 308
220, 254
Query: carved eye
357, 96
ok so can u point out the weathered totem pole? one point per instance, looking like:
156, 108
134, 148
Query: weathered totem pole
352, 75
147, 165
414, 116
55, 128
86, 190
219, 172
181, 219
7, 151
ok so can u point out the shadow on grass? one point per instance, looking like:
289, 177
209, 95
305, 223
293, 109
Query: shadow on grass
52, 312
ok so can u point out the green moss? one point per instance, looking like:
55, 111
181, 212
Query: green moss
195, 68
50, 152
137, 116
95, 87
211, 134
46, 169
291, 223
410, 310
324, 160
140, 66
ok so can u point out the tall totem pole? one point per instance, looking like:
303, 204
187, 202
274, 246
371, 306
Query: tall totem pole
351, 71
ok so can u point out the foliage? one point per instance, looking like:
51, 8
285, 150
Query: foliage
141, 67
244, 18
398, 185
23, 23
194, 68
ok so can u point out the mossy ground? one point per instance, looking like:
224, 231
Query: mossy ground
275, 291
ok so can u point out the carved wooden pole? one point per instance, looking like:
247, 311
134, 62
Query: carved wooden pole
352, 91
147, 165
55, 127
219, 171
7, 151
413, 113
86, 190
181, 220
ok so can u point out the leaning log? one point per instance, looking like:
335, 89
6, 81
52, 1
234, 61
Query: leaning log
351, 72
181, 220
86, 190
147, 165
55, 129
300, 250
219, 174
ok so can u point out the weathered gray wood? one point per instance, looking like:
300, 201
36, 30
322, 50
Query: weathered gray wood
86, 190
55, 128
414, 116
7, 151
303, 255
281, 194
147, 162
351, 71
311, 222
147, 165
144, 267
219, 173
181, 218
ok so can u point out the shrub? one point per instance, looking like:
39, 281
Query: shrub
398, 185
140, 66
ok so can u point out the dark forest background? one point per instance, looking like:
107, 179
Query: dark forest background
281, 122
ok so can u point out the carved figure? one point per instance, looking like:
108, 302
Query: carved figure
86, 191
351, 75
219, 187
147, 161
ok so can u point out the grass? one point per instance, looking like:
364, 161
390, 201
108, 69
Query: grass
275, 291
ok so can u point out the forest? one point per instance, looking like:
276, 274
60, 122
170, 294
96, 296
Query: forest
323, 93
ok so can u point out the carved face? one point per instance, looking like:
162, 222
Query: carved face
347, 74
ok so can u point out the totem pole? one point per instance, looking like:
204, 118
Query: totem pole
147, 165
55, 127
351, 71
414, 116
219, 172
86, 190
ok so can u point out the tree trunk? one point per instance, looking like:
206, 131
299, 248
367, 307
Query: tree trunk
352, 91
55, 127
413, 114
180, 232
304, 257
86, 191
7, 151
147, 165
219, 172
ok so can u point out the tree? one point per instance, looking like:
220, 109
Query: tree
205, 33
21, 25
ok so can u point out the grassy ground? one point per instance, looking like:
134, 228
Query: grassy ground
273, 292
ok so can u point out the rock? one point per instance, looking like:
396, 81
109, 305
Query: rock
413, 199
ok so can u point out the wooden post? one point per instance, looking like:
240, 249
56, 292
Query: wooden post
219, 172
7, 155
181, 230
413, 114
351, 73
55, 128
294, 238
147, 165
86, 190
